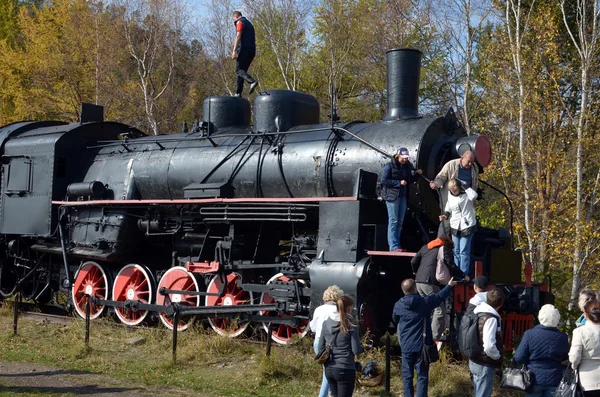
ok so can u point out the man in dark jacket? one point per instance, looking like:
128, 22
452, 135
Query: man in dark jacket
244, 50
396, 176
424, 265
411, 313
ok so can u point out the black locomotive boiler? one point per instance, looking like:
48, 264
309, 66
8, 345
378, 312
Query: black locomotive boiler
250, 221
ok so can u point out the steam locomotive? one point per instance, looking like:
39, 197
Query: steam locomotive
249, 223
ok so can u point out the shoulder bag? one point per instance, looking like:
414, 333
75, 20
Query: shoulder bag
569, 385
516, 378
324, 355
430, 353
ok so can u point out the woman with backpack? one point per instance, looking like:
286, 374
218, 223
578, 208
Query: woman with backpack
433, 267
543, 349
461, 213
342, 336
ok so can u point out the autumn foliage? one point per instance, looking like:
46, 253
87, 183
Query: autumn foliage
509, 68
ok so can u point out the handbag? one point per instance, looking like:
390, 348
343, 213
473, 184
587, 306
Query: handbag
430, 353
569, 385
324, 355
516, 378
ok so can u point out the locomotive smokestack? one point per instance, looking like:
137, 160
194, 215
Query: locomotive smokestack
403, 76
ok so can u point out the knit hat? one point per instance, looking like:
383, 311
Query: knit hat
549, 316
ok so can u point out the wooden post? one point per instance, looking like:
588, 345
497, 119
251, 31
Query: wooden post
387, 363
269, 339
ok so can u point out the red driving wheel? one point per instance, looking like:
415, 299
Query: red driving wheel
282, 333
178, 279
227, 326
90, 279
134, 283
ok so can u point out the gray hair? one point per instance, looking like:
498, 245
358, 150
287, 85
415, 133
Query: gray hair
586, 297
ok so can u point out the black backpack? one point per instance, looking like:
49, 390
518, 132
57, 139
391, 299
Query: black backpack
468, 333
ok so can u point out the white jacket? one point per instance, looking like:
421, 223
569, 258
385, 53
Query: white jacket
489, 330
460, 210
585, 355
321, 314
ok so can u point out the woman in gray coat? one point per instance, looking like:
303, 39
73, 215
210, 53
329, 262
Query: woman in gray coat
343, 337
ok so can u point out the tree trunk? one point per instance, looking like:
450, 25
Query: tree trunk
577, 262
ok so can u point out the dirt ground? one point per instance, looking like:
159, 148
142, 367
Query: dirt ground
32, 379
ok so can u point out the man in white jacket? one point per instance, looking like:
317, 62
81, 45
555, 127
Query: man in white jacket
482, 367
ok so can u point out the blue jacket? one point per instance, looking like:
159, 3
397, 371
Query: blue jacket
410, 313
543, 349
393, 173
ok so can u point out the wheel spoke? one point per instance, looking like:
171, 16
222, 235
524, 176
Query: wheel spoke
90, 275
137, 279
282, 333
178, 278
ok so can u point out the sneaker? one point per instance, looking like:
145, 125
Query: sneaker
253, 87
398, 250
237, 95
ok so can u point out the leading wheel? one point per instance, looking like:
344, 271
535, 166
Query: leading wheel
90, 279
282, 333
228, 326
178, 279
133, 283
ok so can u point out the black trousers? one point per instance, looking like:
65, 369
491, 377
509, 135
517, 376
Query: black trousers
341, 381
242, 64
592, 393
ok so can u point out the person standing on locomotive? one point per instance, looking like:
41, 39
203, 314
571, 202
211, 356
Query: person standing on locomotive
244, 50
459, 209
463, 168
396, 176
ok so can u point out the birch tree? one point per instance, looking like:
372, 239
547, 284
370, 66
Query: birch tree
152, 29
516, 19
218, 36
584, 35
463, 21
281, 27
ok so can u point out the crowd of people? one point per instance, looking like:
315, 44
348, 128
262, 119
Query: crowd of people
457, 183
543, 349
420, 313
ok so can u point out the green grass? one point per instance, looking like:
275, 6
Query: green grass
206, 363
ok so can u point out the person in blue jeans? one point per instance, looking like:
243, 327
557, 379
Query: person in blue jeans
543, 349
460, 211
322, 313
412, 314
490, 335
395, 179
